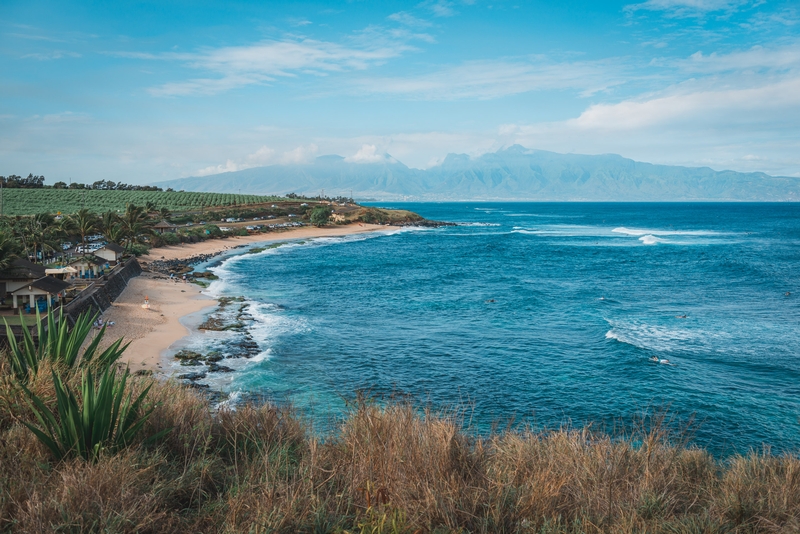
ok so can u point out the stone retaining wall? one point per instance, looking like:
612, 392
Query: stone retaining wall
98, 297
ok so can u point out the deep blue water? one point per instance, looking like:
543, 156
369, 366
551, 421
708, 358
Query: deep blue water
540, 312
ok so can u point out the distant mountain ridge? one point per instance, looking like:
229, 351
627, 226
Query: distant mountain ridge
514, 173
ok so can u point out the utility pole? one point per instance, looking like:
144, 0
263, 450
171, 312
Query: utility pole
2, 212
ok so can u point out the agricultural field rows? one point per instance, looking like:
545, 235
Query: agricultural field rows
32, 201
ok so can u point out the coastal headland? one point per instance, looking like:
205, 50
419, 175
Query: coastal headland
152, 328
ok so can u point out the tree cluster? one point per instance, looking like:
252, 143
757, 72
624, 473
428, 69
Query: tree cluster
106, 185
13, 181
339, 199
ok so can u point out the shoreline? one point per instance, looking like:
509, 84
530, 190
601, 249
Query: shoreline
152, 331
218, 246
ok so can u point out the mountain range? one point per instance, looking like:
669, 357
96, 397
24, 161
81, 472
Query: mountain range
514, 173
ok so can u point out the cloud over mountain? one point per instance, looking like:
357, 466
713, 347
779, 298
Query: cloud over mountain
514, 173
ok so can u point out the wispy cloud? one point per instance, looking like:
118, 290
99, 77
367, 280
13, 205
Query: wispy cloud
55, 54
691, 8
494, 79
266, 61
756, 58
439, 8
407, 19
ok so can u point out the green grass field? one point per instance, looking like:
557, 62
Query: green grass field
32, 201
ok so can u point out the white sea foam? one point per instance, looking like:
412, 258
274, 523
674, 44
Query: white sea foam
662, 338
641, 232
650, 240
270, 322
477, 224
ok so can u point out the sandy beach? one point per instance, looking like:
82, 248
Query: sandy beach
152, 330
213, 246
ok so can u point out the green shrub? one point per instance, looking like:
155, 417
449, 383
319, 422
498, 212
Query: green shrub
139, 249
170, 238
321, 215
60, 345
212, 230
104, 419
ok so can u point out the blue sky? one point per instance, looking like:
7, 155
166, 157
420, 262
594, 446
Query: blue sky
145, 91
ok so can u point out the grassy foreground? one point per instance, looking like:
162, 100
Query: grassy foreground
391, 469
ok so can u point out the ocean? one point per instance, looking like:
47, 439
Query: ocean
543, 314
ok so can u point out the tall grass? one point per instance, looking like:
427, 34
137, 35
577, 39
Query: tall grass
104, 417
60, 344
161, 460
385, 469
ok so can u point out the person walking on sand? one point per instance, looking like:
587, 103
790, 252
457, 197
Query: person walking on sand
146, 304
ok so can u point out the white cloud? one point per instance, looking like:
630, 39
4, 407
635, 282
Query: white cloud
367, 154
229, 166
499, 78
440, 8
756, 58
407, 19
301, 154
264, 62
720, 122
691, 8
267, 61
415, 149
771, 103
55, 54
262, 156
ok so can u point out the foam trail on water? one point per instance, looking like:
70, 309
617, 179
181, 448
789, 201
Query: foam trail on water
641, 232
650, 240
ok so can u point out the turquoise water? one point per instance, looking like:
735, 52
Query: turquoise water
544, 313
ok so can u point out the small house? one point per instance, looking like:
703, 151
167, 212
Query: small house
89, 266
20, 273
164, 226
41, 294
62, 273
111, 252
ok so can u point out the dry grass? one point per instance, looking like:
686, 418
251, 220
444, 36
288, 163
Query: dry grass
387, 469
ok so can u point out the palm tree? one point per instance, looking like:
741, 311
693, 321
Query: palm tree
85, 223
8, 250
115, 234
133, 224
110, 226
63, 229
42, 233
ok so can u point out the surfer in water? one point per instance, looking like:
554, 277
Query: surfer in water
684, 316
655, 359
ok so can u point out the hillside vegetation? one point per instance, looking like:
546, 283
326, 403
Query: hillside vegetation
50, 200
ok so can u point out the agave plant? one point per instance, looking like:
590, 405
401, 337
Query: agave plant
105, 418
60, 345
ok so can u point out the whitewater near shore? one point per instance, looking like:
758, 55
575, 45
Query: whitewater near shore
153, 329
